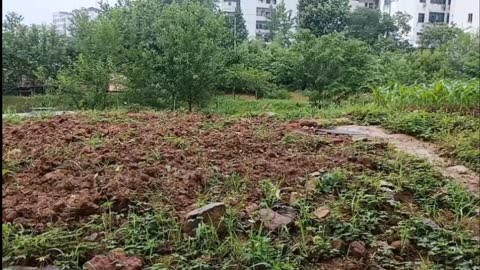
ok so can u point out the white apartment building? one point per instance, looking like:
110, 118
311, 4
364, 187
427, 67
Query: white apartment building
461, 13
256, 13
62, 20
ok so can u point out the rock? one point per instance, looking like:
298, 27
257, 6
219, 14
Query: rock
387, 184
321, 212
294, 196
315, 174
430, 223
357, 248
460, 169
211, 214
273, 220
116, 259
308, 123
338, 244
397, 245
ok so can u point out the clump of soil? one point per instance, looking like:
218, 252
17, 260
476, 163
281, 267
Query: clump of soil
67, 166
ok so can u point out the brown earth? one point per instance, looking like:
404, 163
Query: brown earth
67, 166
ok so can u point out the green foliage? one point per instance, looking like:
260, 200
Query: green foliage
434, 35
31, 54
249, 81
280, 24
447, 96
236, 24
323, 17
377, 28
335, 65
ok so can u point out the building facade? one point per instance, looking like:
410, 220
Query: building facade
461, 13
62, 20
464, 14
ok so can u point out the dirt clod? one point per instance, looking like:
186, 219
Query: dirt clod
357, 249
211, 214
321, 212
115, 260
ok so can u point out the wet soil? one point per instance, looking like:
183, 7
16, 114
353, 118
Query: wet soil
66, 167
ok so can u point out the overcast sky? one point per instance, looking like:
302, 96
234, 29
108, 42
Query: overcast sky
40, 11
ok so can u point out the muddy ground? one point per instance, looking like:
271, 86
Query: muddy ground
66, 167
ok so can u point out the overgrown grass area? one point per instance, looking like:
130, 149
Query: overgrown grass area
443, 96
403, 214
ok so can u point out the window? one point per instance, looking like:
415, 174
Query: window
441, 2
229, 3
421, 17
448, 17
436, 17
268, 1
263, 11
262, 25
274, 2
370, 5
419, 33
470, 17
366, 4
423, 1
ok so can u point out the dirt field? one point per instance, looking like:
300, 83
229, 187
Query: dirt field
363, 200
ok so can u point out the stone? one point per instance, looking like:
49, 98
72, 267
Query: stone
357, 248
430, 223
321, 212
116, 259
273, 220
460, 169
211, 214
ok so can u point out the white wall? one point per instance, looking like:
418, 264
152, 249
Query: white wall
459, 14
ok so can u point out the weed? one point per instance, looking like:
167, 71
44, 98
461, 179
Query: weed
271, 192
95, 141
177, 142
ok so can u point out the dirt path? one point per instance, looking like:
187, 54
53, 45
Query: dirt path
413, 146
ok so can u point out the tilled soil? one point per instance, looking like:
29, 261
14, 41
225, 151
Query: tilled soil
65, 167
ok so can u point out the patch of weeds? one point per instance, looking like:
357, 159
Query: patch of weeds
305, 142
177, 142
153, 156
332, 181
235, 183
271, 193
448, 248
95, 141
23, 246
263, 132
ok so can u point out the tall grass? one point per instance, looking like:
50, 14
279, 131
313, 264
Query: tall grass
443, 95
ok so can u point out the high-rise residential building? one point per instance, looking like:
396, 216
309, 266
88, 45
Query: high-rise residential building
461, 13
62, 20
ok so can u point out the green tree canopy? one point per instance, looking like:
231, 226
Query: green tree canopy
435, 35
323, 17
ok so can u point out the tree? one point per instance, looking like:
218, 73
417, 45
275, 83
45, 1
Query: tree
435, 35
280, 24
236, 24
335, 65
323, 17
31, 54
190, 37
377, 28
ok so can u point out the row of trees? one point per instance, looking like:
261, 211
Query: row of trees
181, 54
